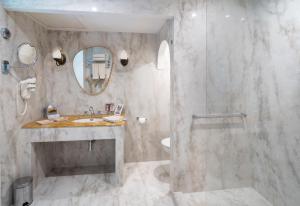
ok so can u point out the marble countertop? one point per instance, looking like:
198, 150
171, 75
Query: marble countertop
68, 122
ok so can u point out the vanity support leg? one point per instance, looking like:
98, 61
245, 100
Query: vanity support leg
119, 162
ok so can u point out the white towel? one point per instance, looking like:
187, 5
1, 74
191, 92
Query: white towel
95, 71
99, 57
99, 68
101, 71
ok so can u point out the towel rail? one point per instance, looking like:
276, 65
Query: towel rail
206, 116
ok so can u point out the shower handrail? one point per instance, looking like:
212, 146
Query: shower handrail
206, 116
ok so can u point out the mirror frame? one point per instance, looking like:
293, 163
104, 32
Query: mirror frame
32, 45
109, 79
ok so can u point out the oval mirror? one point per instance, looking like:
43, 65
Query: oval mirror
27, 54
93, 68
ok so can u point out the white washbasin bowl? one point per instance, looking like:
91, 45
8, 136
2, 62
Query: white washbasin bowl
89, 120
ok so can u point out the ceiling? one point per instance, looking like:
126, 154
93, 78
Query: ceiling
96, 21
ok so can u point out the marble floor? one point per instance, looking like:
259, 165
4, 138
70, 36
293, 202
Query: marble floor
146, 184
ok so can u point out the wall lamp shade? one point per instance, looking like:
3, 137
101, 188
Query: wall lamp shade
124, 58
59, 57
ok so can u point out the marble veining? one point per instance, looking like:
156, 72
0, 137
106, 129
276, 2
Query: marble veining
22, 29
68, 121
259, 75
136, 86
145, 184
230, 56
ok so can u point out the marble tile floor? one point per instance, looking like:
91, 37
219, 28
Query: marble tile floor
146, 184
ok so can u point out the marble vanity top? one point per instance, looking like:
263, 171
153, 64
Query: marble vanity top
68, 122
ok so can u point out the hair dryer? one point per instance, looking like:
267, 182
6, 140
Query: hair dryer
25, 88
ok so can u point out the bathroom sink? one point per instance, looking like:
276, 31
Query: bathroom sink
93, 120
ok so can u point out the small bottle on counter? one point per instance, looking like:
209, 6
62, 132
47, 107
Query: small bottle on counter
109, 108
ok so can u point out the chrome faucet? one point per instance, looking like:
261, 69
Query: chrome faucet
91, 109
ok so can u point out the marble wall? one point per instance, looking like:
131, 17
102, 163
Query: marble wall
274, 100
22, 30
229, 56
188, 74
259, 75
139, 86
188, 90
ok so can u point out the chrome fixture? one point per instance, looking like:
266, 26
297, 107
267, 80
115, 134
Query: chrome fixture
206, 116
27, 56
92, 112
91, 145
59, 57
5, 67
124, 59
5, 33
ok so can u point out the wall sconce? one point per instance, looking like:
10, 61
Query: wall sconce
59, 57
124, 58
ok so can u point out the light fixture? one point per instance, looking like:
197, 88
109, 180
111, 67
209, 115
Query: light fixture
227, 16
94, 9
194, 15
124, 58
59, 57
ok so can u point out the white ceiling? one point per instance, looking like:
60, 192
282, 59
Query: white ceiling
95, 21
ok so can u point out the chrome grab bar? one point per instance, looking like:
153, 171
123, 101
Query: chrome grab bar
205, 116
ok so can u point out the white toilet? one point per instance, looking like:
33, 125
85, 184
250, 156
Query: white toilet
166, 143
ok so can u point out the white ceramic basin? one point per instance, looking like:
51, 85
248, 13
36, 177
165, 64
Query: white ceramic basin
93, 120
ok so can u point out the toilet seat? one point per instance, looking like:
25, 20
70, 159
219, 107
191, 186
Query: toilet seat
166, 142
